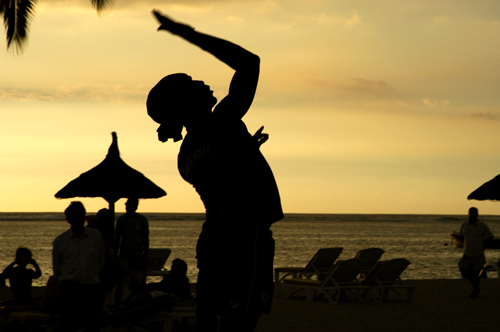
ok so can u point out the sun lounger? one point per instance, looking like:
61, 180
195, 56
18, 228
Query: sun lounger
157, 257
153, 307
492, 266
341, 278
319, 264
371, 256
176, 314
386, 276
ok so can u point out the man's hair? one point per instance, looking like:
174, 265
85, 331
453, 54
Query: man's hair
132, 200
179, 266
165, 97
75, 208
473, 212
23, 252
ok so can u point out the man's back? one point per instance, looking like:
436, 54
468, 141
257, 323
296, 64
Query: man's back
474, 236
232, 177
133, 232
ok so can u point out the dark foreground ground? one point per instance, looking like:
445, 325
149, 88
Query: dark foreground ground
439, 305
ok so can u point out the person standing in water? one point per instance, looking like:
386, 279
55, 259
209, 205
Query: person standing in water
222, 160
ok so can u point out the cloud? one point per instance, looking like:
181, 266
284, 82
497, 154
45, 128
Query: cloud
353, 21
117, 93
236, 19
483, 115
324, 19
171, 5
435, 103
365, 85
356, 89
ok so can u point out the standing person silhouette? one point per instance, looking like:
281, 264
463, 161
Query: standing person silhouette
77, 257
131, 249
476, 235
222, 161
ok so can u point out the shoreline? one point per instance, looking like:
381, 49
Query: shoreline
439, 305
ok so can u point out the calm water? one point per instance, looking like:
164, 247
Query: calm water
423, 239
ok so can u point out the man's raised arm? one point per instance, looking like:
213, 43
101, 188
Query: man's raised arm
246, 64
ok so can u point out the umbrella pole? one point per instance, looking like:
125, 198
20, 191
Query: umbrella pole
112, 214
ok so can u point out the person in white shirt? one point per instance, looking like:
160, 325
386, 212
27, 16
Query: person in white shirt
476, 234
77, 257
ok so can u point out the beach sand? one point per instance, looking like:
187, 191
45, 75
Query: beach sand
439, 305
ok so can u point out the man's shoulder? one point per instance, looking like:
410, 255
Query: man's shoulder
92, 231
64, 235
122, 217
483, 225
142, 217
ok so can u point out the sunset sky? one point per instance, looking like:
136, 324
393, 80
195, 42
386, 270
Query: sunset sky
372, 106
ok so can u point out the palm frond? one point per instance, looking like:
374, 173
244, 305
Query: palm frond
17, 17
100, 5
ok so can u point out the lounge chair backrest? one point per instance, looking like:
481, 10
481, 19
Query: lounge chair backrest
371, 256
386, 272
344, 272
323, 260
157, 257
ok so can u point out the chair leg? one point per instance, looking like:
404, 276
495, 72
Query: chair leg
411, 294
288, 290
340, 292
168, 325
309, 293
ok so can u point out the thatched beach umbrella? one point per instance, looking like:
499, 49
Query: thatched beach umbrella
488, 191
112, 179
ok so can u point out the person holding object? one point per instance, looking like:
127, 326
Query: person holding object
476, 235
21, 277
222, 160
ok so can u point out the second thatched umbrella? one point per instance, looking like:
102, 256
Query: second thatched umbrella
112, 179
487, 191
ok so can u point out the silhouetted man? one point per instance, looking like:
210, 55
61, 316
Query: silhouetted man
77, 257
222, 161
476, 234
131, 248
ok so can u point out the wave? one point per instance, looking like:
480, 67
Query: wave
31, 216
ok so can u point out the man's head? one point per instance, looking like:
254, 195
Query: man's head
75, 213
473, 214
102, 213
131, 205
23, 255
179, 267
176, 101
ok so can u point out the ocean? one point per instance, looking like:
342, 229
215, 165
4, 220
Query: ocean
423, 239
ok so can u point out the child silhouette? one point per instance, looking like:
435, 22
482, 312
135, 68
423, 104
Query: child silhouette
21, 277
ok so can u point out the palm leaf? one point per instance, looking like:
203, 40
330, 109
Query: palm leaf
100, 5
17, 16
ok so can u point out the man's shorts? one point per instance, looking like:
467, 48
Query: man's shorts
132, 271
471, 263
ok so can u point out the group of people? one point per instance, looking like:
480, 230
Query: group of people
88, 262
